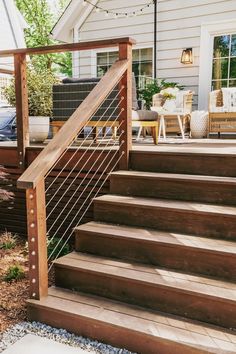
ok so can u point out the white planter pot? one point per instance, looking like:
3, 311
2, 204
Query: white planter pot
199, 124
38, 129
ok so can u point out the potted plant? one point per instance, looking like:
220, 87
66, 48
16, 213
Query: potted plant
155, 87
39, 85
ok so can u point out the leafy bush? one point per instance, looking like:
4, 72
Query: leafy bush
57, 248
155, 87
7, 241
14, 273
39, 85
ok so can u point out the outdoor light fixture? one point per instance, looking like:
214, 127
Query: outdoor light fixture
187, 56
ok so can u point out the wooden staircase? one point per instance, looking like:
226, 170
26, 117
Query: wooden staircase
155, 271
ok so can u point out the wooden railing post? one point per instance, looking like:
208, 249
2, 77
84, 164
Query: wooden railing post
125, 52
22, 111
37, 240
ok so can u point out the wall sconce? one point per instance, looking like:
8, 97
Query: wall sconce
187, 56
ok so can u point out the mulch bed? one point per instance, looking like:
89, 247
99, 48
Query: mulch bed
13, 294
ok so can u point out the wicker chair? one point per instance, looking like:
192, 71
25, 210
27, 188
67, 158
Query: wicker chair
222, 111
183, 104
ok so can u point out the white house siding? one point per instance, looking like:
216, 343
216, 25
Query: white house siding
179, 26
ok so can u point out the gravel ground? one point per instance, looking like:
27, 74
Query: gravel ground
18, 331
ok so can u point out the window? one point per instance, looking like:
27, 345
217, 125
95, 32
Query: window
142, 62
224, 61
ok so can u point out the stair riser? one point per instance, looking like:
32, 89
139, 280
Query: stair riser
179, 302
192, 163
191, 222
104, 332
198, 191
180, 258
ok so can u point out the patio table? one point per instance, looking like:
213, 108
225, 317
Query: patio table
165, 114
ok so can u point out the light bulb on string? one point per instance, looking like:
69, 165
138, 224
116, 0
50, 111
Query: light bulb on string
117, 14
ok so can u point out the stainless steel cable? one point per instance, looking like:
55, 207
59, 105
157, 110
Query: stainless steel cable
78, 172
68, 238
74, 154
100, 119
76, 190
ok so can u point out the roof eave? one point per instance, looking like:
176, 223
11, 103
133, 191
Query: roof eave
74, 16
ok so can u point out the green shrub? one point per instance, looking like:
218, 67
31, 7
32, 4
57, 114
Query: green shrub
57, 248
155, 87
7, 241
39, 85
14, 273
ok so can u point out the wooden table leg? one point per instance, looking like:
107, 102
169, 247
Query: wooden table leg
180, 126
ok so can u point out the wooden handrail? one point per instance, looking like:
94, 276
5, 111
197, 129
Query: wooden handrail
51, 153
69, 47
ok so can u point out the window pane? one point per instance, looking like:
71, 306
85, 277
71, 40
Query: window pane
220, 69
221, 46
216, 85
146, 69
146, 54
232, 73
136, 69
136, 55
233, 45
102, 58
113, 56
232, 83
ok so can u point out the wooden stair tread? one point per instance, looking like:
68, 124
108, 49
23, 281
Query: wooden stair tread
181, 177
150, 275
186, 206
98, 310
157, 237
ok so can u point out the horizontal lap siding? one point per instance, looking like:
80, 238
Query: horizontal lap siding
13, 213
179, 26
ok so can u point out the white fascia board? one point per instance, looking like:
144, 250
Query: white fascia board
74, 16
16, 25
22, 21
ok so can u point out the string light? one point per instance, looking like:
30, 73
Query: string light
116, 14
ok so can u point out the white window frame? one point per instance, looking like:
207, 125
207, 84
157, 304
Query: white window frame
208, 32
115, 49
76, 54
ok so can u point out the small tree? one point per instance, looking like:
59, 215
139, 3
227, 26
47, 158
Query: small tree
40, 20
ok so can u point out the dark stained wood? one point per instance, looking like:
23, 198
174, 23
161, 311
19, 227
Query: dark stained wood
125, 53
209, 189
187, 253
190, 296
22, 111
174, 216
58, 48
72, 127
37, 241
209, 164
13, 213
122, 325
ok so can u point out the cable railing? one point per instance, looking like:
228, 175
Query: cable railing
72, 170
